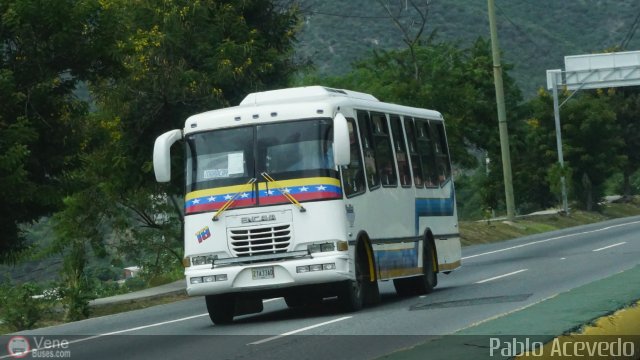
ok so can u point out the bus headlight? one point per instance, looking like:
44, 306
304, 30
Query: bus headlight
315, 267
202, 260
208, 279
331, 266
323, 247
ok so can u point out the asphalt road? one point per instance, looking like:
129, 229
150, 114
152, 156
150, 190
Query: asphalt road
495, 279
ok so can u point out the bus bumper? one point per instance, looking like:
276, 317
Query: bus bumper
257, 277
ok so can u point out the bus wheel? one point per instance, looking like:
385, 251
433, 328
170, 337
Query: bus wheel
351, 295
294, 301
407, 286
430, 277
423, 284
221, 308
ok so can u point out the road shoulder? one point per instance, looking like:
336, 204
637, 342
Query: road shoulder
539, 323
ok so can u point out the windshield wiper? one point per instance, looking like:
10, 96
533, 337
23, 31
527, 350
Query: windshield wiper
283, 192
230, 201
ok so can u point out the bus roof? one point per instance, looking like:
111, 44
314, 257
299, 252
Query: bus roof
307, 93
296, 103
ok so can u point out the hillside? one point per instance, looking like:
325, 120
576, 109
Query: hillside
534, 35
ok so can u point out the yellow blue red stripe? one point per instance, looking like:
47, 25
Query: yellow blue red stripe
304, 189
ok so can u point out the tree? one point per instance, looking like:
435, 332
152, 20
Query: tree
179, 58
411, 38
625, 102
46, 49
591, 143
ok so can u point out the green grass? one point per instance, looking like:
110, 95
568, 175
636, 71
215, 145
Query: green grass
482, 232
136, 305
57, 317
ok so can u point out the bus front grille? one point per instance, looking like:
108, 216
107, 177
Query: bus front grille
263, 240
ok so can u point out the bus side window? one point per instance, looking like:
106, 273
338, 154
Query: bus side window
401, 151
416, 165
442, 153
384, 153
368, 146
426, 149
353, 174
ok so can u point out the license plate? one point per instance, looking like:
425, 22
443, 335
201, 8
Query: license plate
262, 273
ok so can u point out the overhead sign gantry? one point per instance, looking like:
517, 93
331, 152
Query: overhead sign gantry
591, 71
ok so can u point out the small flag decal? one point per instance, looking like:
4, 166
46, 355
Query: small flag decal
203, 234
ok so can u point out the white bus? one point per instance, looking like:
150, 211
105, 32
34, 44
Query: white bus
313, 192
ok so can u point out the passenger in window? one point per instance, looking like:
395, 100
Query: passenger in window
387, 173
442, 175
430, 182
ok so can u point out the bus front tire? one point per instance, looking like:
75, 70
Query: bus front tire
351, 296
221, 308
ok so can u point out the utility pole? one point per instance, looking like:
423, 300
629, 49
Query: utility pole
557, 77
502, 117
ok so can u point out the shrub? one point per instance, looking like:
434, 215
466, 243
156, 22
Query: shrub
22, 306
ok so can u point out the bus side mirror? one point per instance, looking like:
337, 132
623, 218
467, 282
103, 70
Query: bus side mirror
162, 154
341, 143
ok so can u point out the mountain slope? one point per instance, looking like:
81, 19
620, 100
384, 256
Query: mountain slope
534, 35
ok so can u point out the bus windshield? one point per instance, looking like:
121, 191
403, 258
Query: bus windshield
285, 150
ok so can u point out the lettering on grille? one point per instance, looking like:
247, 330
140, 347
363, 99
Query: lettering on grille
260, 240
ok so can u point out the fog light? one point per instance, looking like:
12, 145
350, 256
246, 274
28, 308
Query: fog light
331, 266
316, 267
208, 279
221, 277
196, 280
302, 269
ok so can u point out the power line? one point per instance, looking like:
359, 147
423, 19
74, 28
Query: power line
544, 51
350, 16
630, 33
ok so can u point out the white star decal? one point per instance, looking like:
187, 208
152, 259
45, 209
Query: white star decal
227, 197
321, 187
212, 199
286, 190
196, 201
270, 192
244, 195
303, 189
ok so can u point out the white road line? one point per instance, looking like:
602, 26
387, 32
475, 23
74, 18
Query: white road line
128, 330
610, 246
500, 276
299, 330
550, 239
114, 333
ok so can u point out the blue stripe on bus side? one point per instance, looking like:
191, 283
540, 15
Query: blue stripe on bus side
397, 259
433, 207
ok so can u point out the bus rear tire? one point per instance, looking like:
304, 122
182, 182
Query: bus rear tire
221, 308
405, 286
429, 279
423, 284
